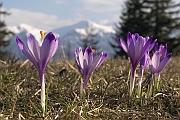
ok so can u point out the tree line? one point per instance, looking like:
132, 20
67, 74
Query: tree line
157, 18
4, 33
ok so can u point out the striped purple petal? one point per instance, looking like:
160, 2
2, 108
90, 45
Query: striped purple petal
33, 46
26, 52
47, 49
123, 45
164, 62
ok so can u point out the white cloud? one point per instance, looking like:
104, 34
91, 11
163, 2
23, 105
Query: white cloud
102, 5
110, 11
107, 11
38, 20
59, 1
111, 21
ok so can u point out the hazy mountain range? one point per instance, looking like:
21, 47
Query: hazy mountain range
70, 38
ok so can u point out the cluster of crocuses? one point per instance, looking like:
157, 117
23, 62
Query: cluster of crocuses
137, 48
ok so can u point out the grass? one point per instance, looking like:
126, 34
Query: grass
106, 98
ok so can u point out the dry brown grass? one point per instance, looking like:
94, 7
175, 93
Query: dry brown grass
106, 96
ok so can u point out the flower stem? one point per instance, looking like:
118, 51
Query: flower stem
133, 72
158, 81
43, 97
81, 89
139, 82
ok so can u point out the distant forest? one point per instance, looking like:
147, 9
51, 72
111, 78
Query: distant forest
157, 18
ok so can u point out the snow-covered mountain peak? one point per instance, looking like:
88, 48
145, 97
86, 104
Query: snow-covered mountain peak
25, 28
92, 25
70, 37
84, 25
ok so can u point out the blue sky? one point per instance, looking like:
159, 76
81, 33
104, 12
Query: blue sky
51, 14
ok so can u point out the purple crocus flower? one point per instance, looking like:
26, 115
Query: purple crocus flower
157, 63
88, 62
159, 59
40, 55
136, 47
144, 62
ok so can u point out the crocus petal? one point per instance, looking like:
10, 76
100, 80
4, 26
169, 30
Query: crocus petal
33, 46
164, 62
129, 39
80, 58
97, 61
47, 48
131, 53
156, 59
138, 47
123, 45
135, 36
26, 52
143, 60
103, 57
55, 47
86, 75
152, 69
163, 51
152, 45
147, 57
88, 55
145, 48
144, 40
156, 47
77, 54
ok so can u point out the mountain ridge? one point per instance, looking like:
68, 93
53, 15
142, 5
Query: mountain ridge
70, 37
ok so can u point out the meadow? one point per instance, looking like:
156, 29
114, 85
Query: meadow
106, 98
